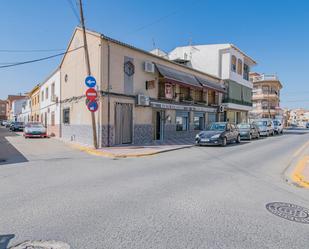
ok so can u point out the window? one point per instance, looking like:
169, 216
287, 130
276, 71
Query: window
239, 66
198, 121
52, 118
42, 96
46, 93
53, 89
246, 72
234, 63
182, 121
66, 116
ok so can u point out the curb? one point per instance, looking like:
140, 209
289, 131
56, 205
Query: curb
293, 172
297, 175
95, 152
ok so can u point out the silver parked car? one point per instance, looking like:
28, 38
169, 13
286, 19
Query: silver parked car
266, 127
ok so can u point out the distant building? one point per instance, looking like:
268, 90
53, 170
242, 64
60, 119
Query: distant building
229, 63
9, 102
266, 96
16, 109
3, 113
34, 96
50, 103
25, 115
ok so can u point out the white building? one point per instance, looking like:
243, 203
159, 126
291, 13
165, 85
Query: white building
50, 103
16, 109
25, 115
230, 64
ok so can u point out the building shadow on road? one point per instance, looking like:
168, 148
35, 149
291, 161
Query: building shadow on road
5, 240
8, 153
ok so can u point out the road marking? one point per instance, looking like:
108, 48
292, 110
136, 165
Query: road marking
297, 175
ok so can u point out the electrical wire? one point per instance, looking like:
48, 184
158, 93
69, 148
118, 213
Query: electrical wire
74, 10
40, 59
29, 50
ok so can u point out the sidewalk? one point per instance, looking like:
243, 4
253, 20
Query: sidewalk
136, 150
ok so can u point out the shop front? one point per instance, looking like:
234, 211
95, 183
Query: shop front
178, 121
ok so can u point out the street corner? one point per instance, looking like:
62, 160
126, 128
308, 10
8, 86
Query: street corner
300, 174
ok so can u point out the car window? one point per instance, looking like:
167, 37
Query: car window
243, 126
216, 127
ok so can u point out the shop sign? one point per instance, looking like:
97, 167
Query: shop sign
168, 91
160, 105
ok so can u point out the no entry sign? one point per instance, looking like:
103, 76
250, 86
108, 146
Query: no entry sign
93, 106
91, 94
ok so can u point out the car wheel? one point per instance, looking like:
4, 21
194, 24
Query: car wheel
238, 139
224, 141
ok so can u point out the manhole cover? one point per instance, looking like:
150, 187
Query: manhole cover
41, 245
289, 211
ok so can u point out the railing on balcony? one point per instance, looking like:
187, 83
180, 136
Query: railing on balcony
238, 102
265, 77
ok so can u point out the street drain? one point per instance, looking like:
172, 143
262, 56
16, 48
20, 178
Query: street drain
289, 211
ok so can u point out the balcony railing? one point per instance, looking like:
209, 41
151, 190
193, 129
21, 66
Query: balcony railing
265, 77
238, 102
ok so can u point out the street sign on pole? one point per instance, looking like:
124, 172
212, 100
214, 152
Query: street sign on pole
91, 94
90, 81
93, 106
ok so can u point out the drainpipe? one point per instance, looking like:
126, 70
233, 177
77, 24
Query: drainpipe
108, 96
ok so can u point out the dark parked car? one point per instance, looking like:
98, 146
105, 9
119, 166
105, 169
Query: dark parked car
307, 125
17, 126
218, 133
248, 131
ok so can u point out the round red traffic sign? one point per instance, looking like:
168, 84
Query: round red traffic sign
93, 106
91, 94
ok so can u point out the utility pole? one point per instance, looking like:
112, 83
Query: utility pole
94, 129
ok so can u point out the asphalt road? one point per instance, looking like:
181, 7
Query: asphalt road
201, 197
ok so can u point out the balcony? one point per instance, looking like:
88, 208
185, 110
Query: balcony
238, 102
265, 77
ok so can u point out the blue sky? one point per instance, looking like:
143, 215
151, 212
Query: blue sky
275, 33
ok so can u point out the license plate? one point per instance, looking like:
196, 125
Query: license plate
205, 139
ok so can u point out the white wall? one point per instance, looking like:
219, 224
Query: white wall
213, 59
46, 104
25, 112
17, 108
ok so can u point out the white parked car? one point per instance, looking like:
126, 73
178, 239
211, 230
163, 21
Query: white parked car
35, 130
278, 127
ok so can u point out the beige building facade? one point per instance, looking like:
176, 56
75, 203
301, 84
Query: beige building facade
266, 96
143, 98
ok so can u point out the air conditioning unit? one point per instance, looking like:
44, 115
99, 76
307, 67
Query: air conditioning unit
149, 67
54, 98
143, 100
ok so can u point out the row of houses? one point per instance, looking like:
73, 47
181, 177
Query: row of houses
145, 96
